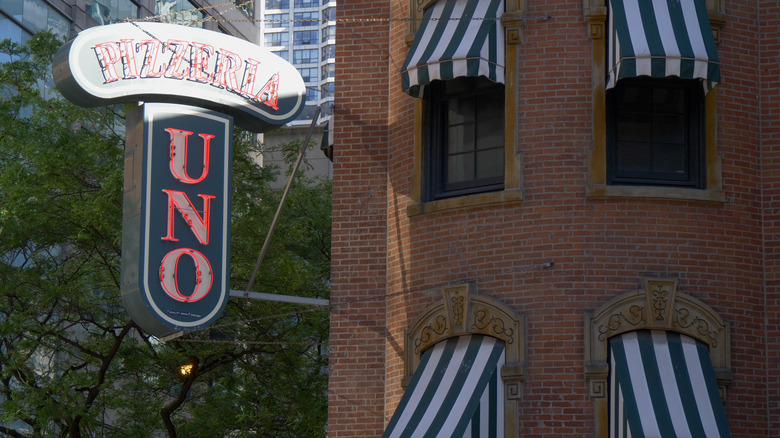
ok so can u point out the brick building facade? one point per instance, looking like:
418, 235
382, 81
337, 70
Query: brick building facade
564, 249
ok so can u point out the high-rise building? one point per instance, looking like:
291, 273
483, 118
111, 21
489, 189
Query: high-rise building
303, 32
19, 19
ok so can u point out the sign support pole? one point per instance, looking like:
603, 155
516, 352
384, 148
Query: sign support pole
281, 204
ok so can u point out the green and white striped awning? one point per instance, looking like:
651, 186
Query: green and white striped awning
456, 391
661, 38
662, 385
457, 38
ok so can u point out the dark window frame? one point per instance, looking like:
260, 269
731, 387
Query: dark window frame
437, 154
693, 137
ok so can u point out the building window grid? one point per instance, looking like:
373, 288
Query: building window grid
32, 16
276, 21
277, 4
309, 18
277, 39
305, 3
328, 52
304, 56
309, 74
328, 71
181, 12
305, 37
329, 14
328, 33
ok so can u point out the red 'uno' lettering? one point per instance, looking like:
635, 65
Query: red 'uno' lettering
180, 155
169, 275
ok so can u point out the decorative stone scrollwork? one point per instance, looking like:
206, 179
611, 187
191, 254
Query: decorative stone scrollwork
684, 320
436, 327
483, 321
462, 312
633, 316
658, 306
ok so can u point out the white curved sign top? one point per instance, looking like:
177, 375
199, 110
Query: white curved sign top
158, 62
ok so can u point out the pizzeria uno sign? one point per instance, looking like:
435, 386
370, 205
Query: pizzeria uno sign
192, 84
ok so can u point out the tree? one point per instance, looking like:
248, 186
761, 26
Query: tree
71, 362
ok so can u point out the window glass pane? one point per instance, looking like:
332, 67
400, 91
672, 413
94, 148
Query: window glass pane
14, 8
35, 14
461, 110
669, 100
306, 19
311, 94
460, 138
490, 134
179, 12
284, 55
670, 158
59, 24
304, 37
304, 56
490, 163
329, 52
633, 127
277, 39
634, 157
277, 4
669, 129
460, 168
277, 20
9, 29
305, 3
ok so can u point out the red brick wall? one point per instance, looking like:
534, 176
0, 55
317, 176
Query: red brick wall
769, 68
357, 342
600, 248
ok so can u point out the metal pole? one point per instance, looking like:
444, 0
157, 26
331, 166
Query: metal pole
280, 298
281, 204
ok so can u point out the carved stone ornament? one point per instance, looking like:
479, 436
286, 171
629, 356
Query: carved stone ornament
462, 312
658, 306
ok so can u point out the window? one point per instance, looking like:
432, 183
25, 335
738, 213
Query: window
304, 56
484, 169
280, 39
277, 4
285, 54
612, 171
308, 74
662, 384
35, 15
311, 94
654, 132
305, 37
328, 71
179, 12
493, 359
276, 20
305, 19
246, 7
107, 12
305, 3
329, 14
656, 321
465, 137
329, 52
328, 33
328, 89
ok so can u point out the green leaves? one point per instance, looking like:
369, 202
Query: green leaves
71, 362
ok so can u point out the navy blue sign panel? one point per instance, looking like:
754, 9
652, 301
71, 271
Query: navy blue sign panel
176, 221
